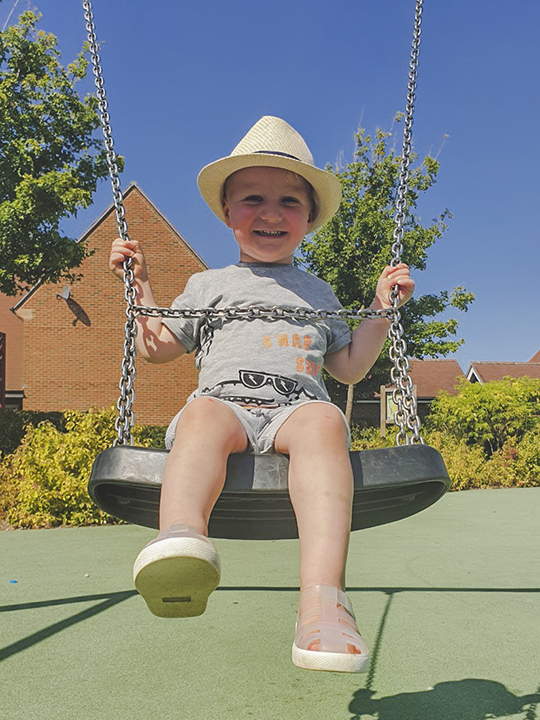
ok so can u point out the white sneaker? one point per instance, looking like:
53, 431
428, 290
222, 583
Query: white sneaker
177, 572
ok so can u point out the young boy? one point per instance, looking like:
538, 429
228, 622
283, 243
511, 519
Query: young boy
260, 390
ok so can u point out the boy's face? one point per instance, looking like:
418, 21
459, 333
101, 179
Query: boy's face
269, 211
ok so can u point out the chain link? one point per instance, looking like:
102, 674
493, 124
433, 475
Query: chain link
125, 419
254, 312
406, 415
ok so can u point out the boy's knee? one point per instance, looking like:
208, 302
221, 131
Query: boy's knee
321, 424
208, 413
324, 418
201, 407
207, 417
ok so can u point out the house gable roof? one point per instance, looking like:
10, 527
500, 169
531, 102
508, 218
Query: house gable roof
432, 376
133, 187
492, 371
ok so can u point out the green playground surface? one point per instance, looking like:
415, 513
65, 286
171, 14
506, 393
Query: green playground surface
447, 600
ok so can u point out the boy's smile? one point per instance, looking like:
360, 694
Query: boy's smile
269, 210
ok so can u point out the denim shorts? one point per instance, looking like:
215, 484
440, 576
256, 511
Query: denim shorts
261, 425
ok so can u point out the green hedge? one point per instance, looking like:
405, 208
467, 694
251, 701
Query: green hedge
43, 483
13, 424
469, 467
488, 435
492, 416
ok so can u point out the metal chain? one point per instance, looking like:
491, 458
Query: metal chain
254, 312
406, 415
125, 419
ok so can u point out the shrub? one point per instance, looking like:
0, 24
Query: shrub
521, 461
489, 415
43, 484
152, 436
370, 438
468, 467
13, 424
517, 464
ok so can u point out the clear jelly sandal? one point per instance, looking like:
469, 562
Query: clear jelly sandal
325, 616
177, 572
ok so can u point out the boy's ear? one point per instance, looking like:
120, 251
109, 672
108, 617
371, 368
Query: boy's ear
226, 212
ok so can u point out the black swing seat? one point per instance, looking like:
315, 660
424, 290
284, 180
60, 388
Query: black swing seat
389, 484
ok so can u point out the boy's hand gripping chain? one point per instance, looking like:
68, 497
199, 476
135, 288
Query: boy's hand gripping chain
406, 415
125, 419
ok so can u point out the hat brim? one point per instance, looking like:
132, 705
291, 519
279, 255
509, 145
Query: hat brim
327, 188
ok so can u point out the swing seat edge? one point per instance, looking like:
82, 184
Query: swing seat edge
390, 484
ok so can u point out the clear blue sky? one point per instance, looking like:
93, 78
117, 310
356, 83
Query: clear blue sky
187, 78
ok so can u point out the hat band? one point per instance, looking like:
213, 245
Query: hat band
275, 152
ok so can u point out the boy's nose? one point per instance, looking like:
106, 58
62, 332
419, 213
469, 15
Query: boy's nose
271, 213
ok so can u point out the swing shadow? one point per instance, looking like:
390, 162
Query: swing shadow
112, 599
468, 699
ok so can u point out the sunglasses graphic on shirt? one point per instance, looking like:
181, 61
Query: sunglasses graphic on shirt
283, 385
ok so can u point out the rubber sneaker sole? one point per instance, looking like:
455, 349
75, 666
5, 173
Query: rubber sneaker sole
176, 576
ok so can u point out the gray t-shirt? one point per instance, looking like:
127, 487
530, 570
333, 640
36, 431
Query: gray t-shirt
259, 362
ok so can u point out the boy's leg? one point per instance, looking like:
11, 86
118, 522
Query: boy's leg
207, 433
321, 489
177, 572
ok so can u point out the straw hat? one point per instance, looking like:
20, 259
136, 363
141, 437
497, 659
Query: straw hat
272, 142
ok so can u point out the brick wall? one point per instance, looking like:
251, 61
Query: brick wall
75, 363
12, 326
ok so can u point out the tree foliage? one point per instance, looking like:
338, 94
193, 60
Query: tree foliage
50, 161
351, 251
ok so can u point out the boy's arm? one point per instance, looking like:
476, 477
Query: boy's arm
353, 362
155, 342
350, 364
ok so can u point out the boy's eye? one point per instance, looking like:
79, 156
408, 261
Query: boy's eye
253, 199
289, 200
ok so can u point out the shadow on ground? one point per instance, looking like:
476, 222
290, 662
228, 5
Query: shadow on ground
109, 600
469, 699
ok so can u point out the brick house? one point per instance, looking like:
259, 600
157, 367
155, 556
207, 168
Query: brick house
429, 377
61, 347
73, 336
11, 355
433, 375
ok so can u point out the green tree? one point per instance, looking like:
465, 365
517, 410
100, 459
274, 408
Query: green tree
50, 161
351, 251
